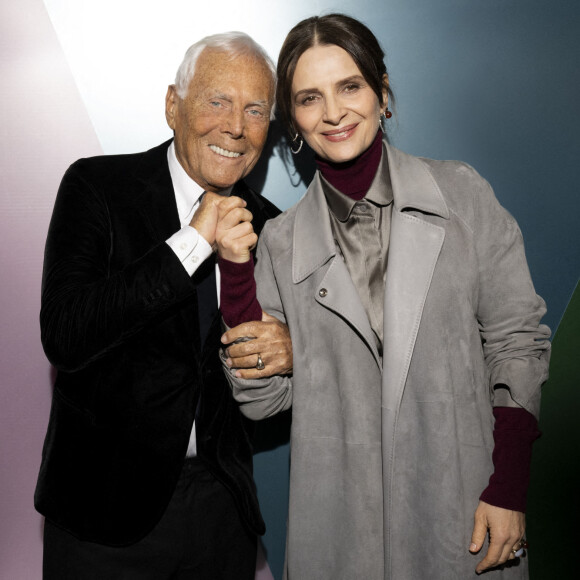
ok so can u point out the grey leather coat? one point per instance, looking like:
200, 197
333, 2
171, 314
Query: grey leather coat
389, 457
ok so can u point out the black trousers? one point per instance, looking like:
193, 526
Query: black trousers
200, 537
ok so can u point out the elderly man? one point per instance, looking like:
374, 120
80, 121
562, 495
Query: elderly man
147, 467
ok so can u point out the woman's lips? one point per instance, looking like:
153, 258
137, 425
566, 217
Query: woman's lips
341, 134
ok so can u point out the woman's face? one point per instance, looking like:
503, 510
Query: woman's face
334, 108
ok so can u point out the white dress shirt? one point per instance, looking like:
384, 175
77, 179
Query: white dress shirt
189, 246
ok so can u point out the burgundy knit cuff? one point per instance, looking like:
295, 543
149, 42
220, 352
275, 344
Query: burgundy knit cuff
238, 302
514, 432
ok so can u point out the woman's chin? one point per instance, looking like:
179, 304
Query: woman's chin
339, 155
341, 152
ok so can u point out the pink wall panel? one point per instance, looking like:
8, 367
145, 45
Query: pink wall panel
43, 128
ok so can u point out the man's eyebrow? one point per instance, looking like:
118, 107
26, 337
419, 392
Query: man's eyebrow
260, 103
222, 96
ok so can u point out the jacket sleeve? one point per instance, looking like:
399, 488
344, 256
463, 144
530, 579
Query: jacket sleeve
87, 308
262, 398
515, 345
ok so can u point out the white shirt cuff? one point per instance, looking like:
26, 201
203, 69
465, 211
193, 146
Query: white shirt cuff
190, 247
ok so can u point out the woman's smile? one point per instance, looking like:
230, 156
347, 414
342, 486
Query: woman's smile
341, 134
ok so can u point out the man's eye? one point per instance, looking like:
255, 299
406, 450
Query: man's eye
255, 112
215, 103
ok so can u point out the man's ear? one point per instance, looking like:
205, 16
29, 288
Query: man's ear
171, 104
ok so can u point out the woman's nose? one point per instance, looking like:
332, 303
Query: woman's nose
333, 111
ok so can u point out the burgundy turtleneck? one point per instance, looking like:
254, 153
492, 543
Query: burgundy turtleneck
354, 178
515, 429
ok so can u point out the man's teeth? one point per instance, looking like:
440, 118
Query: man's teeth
223, 152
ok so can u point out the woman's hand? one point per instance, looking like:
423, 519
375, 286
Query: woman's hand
506, 529
235, 236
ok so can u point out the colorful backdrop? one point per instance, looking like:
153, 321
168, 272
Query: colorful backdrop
492, 82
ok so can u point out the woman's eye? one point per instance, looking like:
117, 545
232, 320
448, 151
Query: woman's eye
309, 99
351, 87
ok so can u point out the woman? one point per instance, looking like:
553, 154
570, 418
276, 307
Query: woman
416, 335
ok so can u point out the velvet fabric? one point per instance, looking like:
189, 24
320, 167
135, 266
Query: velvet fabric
119, 320
200, 537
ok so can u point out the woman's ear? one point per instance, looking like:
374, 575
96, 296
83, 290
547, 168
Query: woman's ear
385, 93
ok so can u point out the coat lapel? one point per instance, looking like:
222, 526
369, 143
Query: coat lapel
155, 207
414, 248
413, 251
156, 203
314, 248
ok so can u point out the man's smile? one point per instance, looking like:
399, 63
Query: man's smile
224, 152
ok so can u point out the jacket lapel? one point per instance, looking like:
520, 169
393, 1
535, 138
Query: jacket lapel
314, 248
156, 204
413, 252
155, 207
414, 248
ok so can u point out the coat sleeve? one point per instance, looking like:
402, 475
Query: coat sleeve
515, 345
86, 308
262, 398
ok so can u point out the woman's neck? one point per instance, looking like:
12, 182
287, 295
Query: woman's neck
354, 177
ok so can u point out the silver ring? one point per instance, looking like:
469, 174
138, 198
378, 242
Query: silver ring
260, 364
521, 550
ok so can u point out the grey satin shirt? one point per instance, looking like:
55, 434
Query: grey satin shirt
361, 230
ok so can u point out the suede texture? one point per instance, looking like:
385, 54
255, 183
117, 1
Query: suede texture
389, 456
119, 322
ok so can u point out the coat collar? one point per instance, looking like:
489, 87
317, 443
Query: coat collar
413, 184
413, 189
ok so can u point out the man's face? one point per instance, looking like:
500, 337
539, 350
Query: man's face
222, 124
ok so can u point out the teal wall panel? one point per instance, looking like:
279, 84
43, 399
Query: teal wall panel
494, 83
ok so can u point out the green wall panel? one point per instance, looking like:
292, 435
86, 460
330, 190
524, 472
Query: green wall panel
554, 495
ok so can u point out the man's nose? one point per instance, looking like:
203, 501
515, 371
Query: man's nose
235, 123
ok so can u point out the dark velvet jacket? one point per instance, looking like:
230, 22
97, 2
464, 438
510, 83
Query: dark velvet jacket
119, 320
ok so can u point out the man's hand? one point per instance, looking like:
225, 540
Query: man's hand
235, 236
506, 529
271, 340
205, 218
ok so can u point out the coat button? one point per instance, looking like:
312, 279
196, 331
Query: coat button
322, 292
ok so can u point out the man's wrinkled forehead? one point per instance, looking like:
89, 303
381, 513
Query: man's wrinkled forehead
216, 69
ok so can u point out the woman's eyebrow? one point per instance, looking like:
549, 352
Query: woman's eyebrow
345, 81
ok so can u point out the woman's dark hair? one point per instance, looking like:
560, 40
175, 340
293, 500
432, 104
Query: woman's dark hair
333, 29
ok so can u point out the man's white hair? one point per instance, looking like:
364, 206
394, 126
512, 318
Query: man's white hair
233, 43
